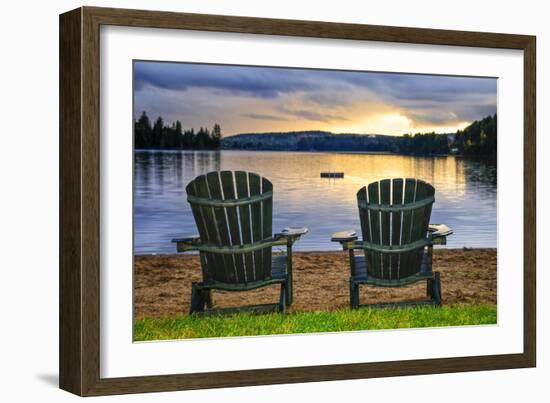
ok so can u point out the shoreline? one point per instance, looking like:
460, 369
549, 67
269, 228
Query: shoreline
483, 157
436, 248
162, 283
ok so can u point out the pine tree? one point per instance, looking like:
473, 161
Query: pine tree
216, 136
157, 133
142, 132
173, 136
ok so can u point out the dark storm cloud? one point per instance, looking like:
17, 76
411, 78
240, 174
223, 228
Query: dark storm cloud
423, 87
250, 81
265, 82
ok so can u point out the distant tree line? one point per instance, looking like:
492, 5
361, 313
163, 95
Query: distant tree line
173, 137
423, 144
347, 142
311, 140
479, 138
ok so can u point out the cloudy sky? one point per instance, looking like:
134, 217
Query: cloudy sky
264, 99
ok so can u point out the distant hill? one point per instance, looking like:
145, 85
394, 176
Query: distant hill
314, 140
479, 138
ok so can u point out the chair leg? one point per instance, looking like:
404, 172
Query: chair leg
436, 288
353, 294
283, 298
197, 299
289, 290
208, 298
429, 287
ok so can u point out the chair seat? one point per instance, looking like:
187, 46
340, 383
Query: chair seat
361, 276
278, 275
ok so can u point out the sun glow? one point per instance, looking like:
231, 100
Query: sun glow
395, 124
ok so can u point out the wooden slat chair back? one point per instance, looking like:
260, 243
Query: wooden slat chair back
397, 244
233, 213
395, 216
233, 209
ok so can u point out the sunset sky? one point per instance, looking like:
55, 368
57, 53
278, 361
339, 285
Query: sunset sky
264, 99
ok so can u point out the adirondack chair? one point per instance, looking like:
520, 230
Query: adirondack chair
233, 214
397, 245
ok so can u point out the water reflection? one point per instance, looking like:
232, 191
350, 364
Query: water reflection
466, 195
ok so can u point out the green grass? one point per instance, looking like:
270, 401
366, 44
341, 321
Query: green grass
248, 324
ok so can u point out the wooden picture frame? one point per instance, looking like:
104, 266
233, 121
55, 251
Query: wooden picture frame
79, 346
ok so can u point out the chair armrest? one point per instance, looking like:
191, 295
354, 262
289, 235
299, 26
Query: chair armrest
236, 249
187, 244
347, 239
291, 234
344, 236
438, 233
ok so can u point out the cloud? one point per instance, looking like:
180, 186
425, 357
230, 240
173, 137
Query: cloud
333, 97
433, 117
422, 86
262, 116
289, 97
324, 87
250, 81
461, 109
311, 115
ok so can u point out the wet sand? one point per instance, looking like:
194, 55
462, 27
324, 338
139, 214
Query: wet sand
162, 284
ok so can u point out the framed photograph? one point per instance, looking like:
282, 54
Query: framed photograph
249, 201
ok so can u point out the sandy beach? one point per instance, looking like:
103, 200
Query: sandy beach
163, 283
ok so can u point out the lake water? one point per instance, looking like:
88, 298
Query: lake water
466, 193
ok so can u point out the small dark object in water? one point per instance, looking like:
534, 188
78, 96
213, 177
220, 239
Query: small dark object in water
332, 174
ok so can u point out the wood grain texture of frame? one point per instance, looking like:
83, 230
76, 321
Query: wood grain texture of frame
80, 185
